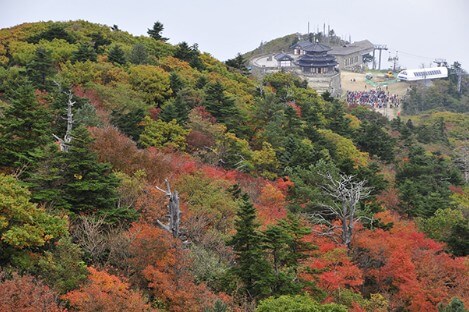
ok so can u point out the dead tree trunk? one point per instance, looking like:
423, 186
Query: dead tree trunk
346, 195
174, 212
65, 142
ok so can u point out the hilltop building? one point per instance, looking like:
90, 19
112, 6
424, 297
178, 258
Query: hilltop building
310, 61
315, 60
284, 60
351, 56
318, 63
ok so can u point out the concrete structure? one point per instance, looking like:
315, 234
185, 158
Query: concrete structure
315, 60
351, 56
310, 61
299, 47
284, 60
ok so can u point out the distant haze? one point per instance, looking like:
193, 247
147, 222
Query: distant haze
420, 30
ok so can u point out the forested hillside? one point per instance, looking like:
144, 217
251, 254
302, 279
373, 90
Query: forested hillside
140, 176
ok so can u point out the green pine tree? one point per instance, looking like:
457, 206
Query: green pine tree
156, 31
129, 123
175, 82
90, 185
138, 54
222, 107
24, 127
251, 266
285, 247
117, 55
40, 67
239, 62
77, 181
84, 53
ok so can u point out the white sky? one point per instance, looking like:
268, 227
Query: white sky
420, 30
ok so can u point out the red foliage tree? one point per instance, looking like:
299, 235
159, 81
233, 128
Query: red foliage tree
413, 270
164, 267
271, 205
106, 292
26, 294
329, 266
122, 153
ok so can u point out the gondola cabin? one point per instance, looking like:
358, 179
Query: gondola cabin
423, 74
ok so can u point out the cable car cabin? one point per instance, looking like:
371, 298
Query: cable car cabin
423, 74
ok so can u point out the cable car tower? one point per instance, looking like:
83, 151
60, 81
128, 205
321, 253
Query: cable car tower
378, 47
394, 60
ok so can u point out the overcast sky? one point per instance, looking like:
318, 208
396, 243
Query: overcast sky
420, 30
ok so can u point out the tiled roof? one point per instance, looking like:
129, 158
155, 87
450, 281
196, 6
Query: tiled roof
355, 47
317, 47
283, 57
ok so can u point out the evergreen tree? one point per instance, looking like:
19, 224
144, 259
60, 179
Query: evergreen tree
99, 41
455, 305
338, 123
373, 139
47, 180
138, 55
239, 63
84, 53
117, 55
179, 107
168, 111
221, 107
156, 31
283, 242
75, 180
424, 181
129, 123
293, 122
55, 31
251, 266
24, 127
40, 67
175, 82
90, 185
189, 54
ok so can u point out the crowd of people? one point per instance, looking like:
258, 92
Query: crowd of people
375, 98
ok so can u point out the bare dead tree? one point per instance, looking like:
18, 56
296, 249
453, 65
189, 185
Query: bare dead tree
462, 160
65, 142
90, 234
104, 244
174, 212
346, 193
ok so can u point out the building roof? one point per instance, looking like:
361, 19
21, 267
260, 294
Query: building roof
283, 57
363, 46
317, 47
302, 44
318, 60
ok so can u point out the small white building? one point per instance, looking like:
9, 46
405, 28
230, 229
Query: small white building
284, 60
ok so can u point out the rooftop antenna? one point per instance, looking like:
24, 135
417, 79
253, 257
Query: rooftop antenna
308, 28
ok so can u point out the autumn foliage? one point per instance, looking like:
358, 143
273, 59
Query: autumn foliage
106, 292
164, 267
27, 294
412, 269
330, 267
249, 160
